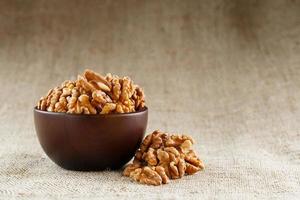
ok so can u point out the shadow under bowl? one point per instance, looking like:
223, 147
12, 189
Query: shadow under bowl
90, 142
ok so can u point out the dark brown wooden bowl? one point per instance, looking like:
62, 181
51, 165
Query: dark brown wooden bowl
90, 142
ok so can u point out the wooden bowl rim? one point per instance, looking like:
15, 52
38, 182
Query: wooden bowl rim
143, 110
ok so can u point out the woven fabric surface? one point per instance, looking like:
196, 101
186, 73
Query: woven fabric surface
225, 72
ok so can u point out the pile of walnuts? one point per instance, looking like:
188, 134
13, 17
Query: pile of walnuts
162, 157
93, 93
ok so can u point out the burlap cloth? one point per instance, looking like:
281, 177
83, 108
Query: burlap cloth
227, 73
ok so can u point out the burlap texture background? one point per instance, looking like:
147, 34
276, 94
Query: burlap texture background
226, 72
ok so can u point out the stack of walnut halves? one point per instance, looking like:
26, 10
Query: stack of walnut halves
162, 157
92, 93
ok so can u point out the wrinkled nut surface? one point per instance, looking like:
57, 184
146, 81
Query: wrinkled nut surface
93, 93
162, 157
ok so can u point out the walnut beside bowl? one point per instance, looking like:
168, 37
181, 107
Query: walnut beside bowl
90, 142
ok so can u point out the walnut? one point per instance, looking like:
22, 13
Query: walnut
181, 167
139, 97
146, 143
108, 108
73, 104
163, 156
130, 168
128, 97
177, 140
86, 105
136, 174
191, 169
194, 161
125, 107
83, 83
53, 99
186, 146
100, 86
161, 171
56, 101
61, 105
172, 150
145, 175
102, 95
174, 170
157, 140
150, 157
97, 80
116, 88
42, 104
68, 84
66, 92
150, 177
170, 156
122, 91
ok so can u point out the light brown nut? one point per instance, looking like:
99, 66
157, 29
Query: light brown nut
54, 99
181, 167
156, 141
68, 84
100, 86
120, 108
194, 161
108, 108
101, 97
171, 143
97, 105
85, 103
161, 171
172, 150
191, 153
81, 90
93, 76
73, 104
61, 105
128, 106
120, 91
146, 143
150, 157
136, 174
174, 158
169, 162
191, 169
83, 83
177, 140
150, 177
66, 92
139, 98
130, 168
174, 170
42, 104
166, 167
125, 107
186, 146
127, 89
116, 88
163, 156
108, 77
78, 108
187, 137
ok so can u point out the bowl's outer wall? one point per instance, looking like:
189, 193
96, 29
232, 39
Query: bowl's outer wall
90, 142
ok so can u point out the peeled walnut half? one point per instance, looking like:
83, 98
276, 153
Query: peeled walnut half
162, 157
